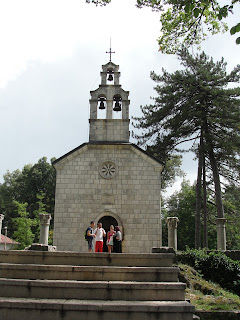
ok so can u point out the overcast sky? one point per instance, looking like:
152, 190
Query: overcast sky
50, 58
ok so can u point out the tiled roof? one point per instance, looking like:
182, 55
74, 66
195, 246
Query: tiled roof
5, 239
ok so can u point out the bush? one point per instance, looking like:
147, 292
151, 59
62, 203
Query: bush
214, 266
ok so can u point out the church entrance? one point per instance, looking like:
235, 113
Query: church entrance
107, 221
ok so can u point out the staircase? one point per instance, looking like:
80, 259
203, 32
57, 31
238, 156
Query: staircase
90, 286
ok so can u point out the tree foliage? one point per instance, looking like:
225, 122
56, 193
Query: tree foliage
23, 226
214, 266
182, 204
27, 186
172, 166
193, 104
231, 201
188, 21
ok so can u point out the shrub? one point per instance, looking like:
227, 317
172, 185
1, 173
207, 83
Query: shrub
214, 266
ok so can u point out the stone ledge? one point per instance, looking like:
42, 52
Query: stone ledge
219, 315
83, 258
104, 273
41, 247
97, 305
95, 284
103, 290
163, 250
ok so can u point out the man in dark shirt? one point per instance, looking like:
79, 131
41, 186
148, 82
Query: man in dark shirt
90, 236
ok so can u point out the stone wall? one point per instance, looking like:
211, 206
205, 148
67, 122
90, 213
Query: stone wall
109, 130
131, 196
233, 254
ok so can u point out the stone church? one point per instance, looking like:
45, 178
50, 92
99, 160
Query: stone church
108, 179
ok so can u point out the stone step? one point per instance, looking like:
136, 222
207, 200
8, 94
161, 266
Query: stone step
87, 259
84, 273
94, 290
48, 309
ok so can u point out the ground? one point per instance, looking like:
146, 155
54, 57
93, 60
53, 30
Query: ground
206, 295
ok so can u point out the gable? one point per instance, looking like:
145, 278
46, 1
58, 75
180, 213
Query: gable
62, 161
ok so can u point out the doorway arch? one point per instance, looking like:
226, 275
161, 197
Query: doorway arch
107, 219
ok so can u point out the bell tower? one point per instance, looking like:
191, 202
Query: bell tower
112, 99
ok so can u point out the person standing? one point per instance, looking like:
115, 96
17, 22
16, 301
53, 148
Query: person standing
118, 240
99, 234
90, 236
110, 236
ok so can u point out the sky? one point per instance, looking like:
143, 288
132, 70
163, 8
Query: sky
50, 59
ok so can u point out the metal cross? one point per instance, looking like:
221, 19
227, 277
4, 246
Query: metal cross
110, 52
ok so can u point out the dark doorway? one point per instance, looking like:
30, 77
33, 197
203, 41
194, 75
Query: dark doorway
107, 221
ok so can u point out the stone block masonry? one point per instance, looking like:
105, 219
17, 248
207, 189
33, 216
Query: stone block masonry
117, 180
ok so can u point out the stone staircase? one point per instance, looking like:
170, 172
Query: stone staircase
90, 286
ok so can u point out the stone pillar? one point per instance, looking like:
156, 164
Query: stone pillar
109, 109
221, 234
44, 227
172, 232
1, 220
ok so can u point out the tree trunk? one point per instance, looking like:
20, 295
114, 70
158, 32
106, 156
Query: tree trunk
217, 184
214, 167
198, 198
205, 213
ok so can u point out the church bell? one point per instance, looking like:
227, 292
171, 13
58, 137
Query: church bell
117, 106
110, 76
102, 105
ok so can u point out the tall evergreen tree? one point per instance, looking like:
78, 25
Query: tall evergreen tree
196, 104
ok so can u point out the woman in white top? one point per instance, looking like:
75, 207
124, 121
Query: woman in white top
110, 236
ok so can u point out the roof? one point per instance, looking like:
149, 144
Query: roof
138, 150
7, 240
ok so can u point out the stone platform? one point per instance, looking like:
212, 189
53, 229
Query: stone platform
91, 286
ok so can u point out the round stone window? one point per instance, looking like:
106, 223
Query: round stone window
108, 170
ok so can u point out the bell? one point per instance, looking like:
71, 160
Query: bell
117, 107
102, 106
110, 77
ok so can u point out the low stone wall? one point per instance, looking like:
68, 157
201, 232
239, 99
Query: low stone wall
218, 315
233, 254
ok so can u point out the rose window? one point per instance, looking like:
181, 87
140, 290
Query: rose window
108, 170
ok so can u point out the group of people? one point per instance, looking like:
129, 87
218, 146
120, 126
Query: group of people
113, 242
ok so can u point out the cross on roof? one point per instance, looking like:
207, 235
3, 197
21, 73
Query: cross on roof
110, 52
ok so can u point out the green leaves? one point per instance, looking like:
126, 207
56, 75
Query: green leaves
23, 232
186, 22
235, 29
28, 186
196, 12
223, 12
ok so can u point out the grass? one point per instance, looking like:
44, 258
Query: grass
205, 295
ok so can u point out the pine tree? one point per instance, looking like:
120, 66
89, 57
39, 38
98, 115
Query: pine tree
196, 104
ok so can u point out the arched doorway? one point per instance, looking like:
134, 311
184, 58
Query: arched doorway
107, 221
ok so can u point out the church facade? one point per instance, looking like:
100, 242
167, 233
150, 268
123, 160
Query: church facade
108, 179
